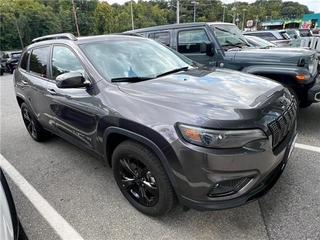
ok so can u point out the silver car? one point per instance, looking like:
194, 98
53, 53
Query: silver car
278, 37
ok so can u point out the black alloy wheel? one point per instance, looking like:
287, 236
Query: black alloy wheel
138, 181
28, 121
142, 178
34, 128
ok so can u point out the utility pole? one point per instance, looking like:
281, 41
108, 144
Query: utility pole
234, 9
178, 12
224, 12
243, 19
75, 17
132, 24
194, 10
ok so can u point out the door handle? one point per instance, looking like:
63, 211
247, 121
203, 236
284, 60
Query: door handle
51, 91
24, 82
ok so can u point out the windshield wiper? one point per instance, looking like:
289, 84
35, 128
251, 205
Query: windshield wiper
173, 71
223, 30
130, 79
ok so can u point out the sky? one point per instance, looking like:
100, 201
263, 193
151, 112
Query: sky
313, 5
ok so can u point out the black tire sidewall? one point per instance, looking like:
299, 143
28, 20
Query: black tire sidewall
41, 134
125, 150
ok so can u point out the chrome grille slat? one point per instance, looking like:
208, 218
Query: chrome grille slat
282, 125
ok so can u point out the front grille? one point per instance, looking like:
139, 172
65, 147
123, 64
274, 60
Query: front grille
282, 125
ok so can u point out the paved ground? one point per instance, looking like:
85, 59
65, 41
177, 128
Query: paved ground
82, 190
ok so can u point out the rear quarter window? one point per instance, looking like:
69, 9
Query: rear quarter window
39, 61
161, 37
25, 60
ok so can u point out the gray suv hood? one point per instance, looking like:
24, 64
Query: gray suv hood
214, 95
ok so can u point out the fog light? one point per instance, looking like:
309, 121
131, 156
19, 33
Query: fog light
228, 187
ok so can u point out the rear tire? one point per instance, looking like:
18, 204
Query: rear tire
34, 128
142, 179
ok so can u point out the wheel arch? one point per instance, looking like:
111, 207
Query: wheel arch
113, 136
20, 100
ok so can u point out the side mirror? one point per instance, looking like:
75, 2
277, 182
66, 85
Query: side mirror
71, 80
206, 47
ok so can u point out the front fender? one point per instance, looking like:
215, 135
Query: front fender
166, 155
276, 70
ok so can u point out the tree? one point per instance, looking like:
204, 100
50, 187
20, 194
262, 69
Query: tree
103, 19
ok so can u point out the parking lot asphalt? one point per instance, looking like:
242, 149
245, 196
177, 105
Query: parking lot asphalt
82, 190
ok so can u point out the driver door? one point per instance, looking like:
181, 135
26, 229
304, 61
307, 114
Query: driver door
69, 106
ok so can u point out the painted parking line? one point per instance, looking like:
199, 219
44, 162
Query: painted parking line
56, 221
307, 147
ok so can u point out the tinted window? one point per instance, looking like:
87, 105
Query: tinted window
25, 60
161, 37
285, 35
39, 61
15, 55
189, 40
63, 61
268, 36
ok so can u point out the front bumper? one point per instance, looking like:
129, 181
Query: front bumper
261, 169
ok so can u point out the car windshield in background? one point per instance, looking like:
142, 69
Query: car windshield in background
128, 58
256, 41
229, 35
15, 55
284, 34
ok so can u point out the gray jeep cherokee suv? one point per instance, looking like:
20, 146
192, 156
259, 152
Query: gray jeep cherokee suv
211, 139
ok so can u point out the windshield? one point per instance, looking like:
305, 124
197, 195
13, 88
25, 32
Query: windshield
132, 58
229, 35
260, 42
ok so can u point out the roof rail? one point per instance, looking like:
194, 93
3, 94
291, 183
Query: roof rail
55, 36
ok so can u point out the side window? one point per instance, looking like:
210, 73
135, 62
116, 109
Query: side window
39, 61
25, 60
269, 36
63, 61
161, 37
189, 40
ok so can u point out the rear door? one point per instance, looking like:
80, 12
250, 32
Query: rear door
33, 80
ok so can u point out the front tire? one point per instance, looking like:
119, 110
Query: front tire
34, 128
142, 179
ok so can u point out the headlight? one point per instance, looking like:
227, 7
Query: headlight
220, 138
312, 65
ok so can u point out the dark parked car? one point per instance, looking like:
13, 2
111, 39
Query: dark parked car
9, 61
212, 139
223, 45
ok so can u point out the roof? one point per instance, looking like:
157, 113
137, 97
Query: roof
176, 25
70, 38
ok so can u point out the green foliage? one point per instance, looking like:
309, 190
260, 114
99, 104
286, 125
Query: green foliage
34, 18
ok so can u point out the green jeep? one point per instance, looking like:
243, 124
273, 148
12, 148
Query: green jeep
223, 45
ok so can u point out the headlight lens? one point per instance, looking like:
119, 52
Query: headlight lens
220, 138
312, 65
